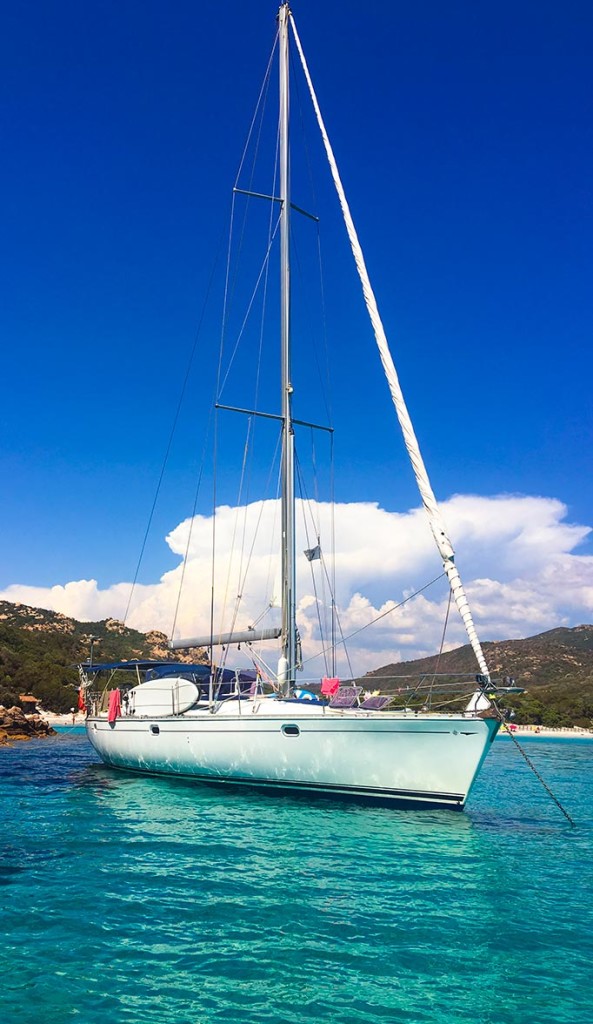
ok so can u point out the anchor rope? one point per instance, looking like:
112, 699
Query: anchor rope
531, 765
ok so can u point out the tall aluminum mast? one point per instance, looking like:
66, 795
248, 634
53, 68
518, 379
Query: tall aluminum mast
287, 663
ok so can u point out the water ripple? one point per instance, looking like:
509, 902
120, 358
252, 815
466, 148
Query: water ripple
151, 901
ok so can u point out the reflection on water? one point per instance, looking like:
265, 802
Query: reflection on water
164, 900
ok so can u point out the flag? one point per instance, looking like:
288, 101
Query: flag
312, 554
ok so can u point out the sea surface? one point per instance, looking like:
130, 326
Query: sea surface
151, 901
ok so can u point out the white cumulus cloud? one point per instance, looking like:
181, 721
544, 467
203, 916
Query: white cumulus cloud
517, 556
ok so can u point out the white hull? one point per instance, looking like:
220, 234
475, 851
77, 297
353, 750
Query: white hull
395, 757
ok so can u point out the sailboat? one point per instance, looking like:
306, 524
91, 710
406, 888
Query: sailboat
225, 726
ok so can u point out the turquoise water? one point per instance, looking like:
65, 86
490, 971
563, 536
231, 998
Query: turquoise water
149, 901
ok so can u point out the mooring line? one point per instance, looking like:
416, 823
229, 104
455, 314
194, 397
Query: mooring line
531, 765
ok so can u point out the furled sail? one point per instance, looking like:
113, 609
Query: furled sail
245, 636
426, 492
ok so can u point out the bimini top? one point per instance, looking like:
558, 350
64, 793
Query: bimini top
137, 665
157, 669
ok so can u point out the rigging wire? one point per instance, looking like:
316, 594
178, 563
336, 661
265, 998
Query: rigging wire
325, 381
307, 506
316, 492
436, 668
268, 673
256, 531
174, 424
383, 614
214, 492
317, 601
261, 273
260, 105
336, 622
241, 578
228, 292
215, 438
262, 96
235, 527
272, 547
191, 524
304, 138
330, 581
331, 584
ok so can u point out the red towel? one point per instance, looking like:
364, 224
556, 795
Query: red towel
329, 686
114, 705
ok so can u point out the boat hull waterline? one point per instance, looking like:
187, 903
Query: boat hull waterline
398, 759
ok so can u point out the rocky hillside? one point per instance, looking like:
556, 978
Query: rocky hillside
557, 657
39, 652
556, 669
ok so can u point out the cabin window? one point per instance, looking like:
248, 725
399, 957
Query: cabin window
155, 730
291, 730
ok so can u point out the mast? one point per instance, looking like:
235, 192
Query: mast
287, 662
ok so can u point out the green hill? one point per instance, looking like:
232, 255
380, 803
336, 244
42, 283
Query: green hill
555, 668
39, 652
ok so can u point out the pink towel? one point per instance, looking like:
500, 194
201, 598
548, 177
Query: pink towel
114, 705
329, 686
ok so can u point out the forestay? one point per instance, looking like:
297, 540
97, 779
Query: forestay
426, 492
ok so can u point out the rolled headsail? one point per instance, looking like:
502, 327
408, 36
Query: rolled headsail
245, 636
426, 492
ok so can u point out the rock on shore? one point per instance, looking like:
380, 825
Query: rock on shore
15, 725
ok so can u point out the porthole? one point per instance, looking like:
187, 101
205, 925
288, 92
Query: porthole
155, 730
291, 730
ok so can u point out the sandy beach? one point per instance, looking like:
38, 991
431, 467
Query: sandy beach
548, 733
69, 719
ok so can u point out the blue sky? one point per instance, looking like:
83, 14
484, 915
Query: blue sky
464, 137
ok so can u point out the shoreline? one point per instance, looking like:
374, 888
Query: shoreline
68, 719
547, 732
